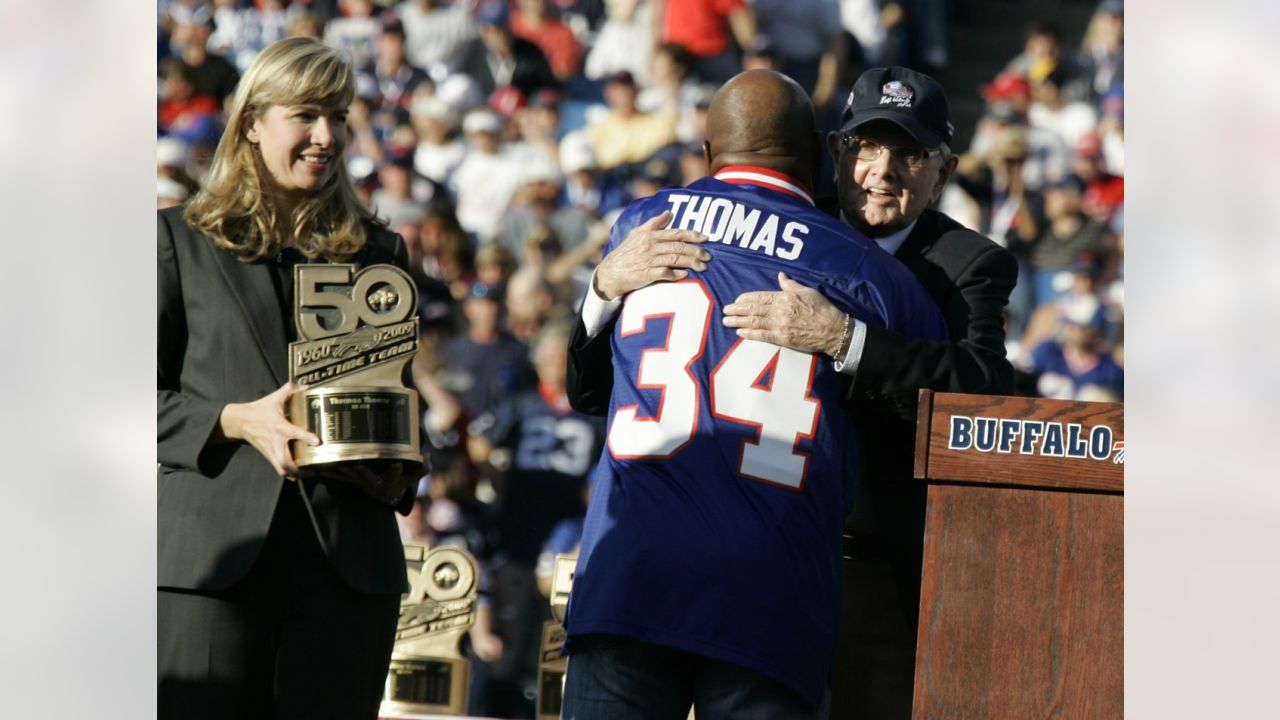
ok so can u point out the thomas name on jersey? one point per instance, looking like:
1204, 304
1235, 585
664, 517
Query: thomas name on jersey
1031, 437
728, 222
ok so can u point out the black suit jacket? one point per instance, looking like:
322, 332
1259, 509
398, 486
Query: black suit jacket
532, 69
222, 340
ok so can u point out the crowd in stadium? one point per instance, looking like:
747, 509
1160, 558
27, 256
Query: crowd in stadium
501, 139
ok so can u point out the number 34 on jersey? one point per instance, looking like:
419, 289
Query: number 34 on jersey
761, 386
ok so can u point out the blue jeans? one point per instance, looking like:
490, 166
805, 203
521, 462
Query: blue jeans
617, 678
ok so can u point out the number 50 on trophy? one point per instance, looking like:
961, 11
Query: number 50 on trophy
356, 333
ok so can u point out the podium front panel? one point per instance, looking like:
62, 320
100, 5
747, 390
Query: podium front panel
1022, 605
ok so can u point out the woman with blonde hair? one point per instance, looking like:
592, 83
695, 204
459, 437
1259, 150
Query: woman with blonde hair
278, 593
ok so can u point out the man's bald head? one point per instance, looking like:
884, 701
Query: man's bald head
762, 117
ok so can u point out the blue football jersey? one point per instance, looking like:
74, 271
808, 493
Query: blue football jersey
718, 501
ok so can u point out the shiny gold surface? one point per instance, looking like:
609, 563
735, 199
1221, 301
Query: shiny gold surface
551, 664
356, 333
428, 673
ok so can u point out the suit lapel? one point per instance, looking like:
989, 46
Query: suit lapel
256, 294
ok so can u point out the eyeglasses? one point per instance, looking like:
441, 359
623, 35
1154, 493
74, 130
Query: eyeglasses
870, 150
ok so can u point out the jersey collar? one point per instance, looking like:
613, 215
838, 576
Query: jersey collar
766, 178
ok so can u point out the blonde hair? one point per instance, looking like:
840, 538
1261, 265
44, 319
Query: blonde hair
234, 208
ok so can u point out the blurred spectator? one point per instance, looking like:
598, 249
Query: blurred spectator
537, 203
497, 58
624, 41
1008, 98
438, 153
626, 135
654, 175
530, 302
673, 90
356, 31
1111, 130
460, 91
1076, 367
762, 54
1102, 56
585, 187
533, 21
997, 182
865, 23
211, 73
437, 310
1104, 192
486, 365
304, 24
494, 265
242, 32
447, 253
1069, 120
436, 30
179, 100
1088, 274
173, 182
806, 35
706, 27
1041, 52
1065, 233
390, 70
487, 178
693, 163
552, 448
169, 193
537, 127
1006, 206
394, 199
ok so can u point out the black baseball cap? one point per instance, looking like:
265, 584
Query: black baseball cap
912, 100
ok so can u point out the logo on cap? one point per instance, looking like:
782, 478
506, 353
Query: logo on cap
897, 93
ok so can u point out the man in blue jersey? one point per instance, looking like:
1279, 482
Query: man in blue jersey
709, 573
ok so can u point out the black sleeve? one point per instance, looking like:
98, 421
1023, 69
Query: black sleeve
184, 424
589, 381
979, 279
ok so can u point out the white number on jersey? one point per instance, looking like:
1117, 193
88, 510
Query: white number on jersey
756, 384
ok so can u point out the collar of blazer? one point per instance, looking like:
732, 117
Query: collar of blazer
254, 291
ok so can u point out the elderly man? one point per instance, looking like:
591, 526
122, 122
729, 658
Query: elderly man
892, 162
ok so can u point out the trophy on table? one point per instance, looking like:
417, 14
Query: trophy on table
428, 673
551, 663
356, 333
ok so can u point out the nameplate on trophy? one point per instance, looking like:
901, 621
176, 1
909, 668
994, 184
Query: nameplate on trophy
356, 332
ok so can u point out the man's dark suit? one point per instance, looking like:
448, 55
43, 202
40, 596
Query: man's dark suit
222, 339
970, 278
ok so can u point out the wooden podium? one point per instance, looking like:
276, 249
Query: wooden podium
1022, 601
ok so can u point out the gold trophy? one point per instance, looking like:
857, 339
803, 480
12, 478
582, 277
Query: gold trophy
356, 332
551, 665
428, 673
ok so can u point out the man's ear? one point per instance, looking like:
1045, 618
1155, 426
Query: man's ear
833, 146
706, 152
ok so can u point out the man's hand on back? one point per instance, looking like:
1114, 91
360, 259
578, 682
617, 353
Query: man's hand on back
796, 317
650, 253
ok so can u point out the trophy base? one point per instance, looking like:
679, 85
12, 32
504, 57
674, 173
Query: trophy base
357, 423
418, 684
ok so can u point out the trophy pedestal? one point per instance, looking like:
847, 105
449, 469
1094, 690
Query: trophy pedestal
356, 423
